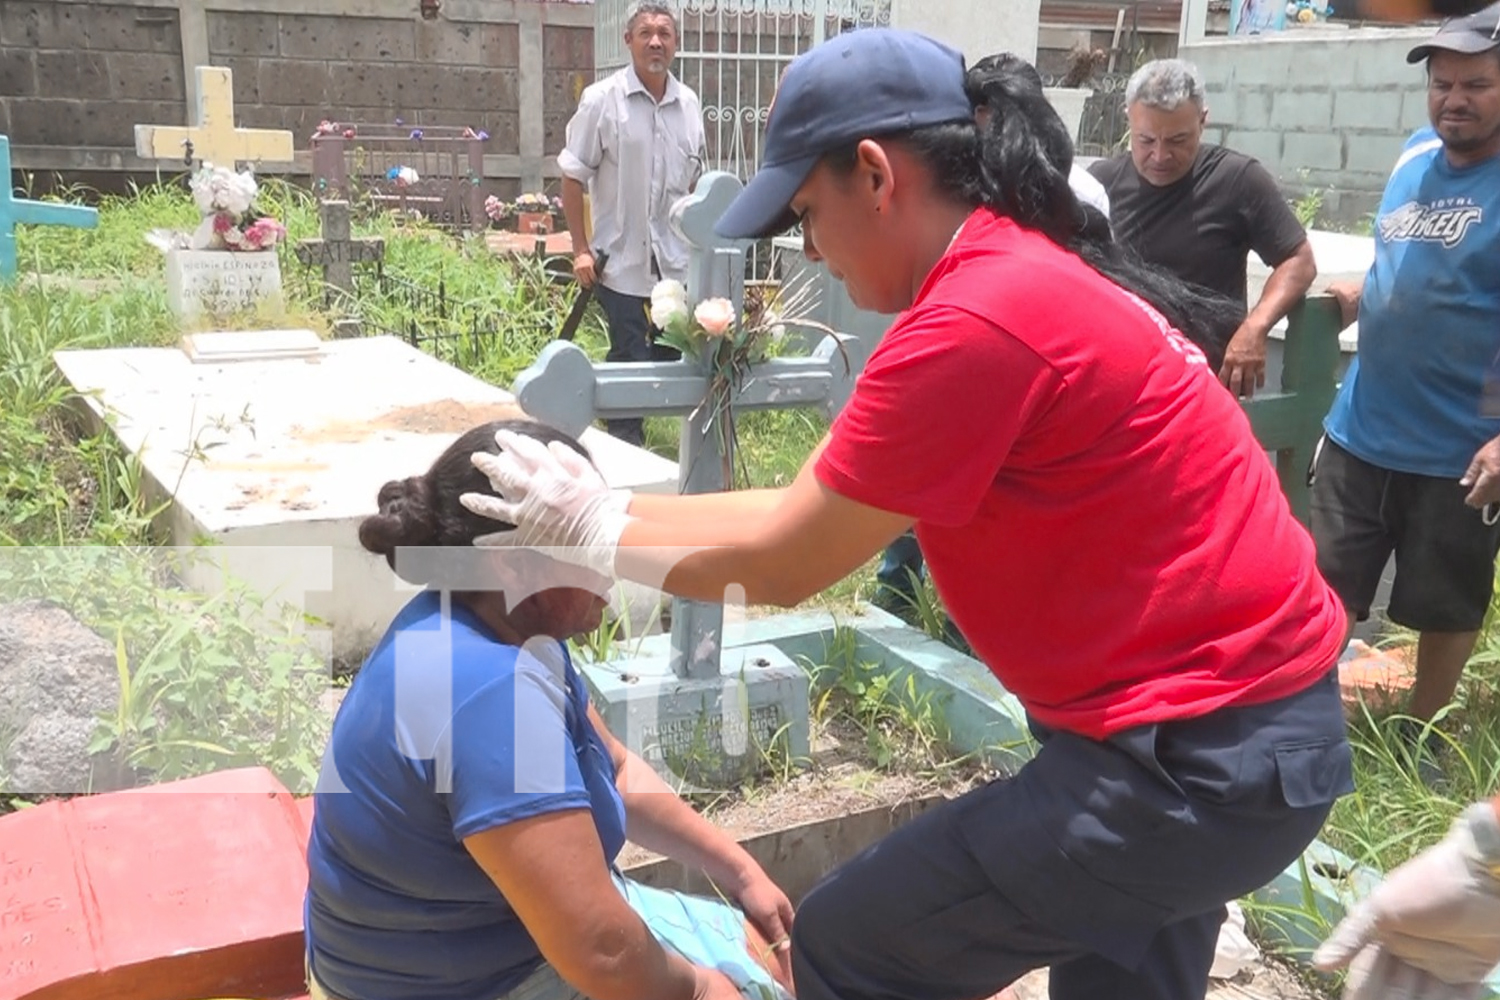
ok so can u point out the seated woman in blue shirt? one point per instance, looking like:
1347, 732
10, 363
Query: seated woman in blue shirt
471, 802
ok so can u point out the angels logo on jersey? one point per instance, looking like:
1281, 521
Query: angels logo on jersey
1446, 221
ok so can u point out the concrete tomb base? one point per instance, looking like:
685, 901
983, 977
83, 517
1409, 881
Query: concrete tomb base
272, 446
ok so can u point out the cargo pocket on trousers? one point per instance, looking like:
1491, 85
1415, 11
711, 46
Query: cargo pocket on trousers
1314, 773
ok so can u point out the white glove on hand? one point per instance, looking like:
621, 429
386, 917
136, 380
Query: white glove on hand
1431, 930
554, 497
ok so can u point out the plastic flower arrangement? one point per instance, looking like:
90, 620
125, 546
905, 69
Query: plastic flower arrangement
1306, 11
539, 203
402, 176
728, 344
528, 204
226, 200
326, 127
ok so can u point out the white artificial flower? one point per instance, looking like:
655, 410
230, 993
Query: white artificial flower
668, 303
220, 189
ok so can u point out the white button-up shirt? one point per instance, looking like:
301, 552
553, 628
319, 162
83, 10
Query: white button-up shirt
636, 157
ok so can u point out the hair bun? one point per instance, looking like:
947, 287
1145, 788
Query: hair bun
406, 517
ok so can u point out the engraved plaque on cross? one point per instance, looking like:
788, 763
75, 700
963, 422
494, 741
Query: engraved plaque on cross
336, 251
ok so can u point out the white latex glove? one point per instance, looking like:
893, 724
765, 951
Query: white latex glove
1431, 930
554, 497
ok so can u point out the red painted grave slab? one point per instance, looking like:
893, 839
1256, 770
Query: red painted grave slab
44, 921
511, 244
177, 892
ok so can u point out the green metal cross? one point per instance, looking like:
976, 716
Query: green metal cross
1290, 421
20, 211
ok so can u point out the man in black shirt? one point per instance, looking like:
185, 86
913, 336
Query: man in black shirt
1198, 210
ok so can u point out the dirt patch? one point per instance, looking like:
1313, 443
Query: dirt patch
448, 416
1270, 979
840, 780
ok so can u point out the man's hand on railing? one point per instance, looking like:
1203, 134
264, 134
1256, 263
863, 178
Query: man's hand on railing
1347, 293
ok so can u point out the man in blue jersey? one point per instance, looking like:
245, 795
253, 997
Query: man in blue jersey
1411, 461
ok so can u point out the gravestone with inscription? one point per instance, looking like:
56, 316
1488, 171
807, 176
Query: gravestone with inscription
217, 281
220, 282
174, 892
701, 713
336, 252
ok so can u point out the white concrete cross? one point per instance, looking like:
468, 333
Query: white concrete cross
213, 137
563, 388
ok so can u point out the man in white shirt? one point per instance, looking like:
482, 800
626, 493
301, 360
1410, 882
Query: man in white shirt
636, 141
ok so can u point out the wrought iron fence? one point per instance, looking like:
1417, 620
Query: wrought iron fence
426, 318
1103, 130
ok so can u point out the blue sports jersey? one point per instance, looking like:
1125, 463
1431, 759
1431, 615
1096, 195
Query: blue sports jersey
1429, 319
446, 732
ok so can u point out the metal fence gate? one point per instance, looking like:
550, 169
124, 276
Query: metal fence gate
732, 53
1104, 128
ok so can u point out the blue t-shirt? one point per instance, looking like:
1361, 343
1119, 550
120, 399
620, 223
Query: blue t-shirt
1429, 319
446, 732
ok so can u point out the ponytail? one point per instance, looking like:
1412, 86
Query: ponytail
1025, 155
1015, 158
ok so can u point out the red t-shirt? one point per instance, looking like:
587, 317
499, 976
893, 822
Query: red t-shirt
1096, 514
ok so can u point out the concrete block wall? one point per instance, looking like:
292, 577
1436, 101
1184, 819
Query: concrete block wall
1325, 110
76, 76
292, 71
84, 74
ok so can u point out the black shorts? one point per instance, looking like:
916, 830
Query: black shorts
1445, 553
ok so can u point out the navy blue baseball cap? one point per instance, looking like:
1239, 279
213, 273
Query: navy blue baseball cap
863, 83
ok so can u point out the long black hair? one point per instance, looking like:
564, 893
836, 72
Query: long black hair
1015, 158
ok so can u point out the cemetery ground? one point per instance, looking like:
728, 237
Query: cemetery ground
76, 528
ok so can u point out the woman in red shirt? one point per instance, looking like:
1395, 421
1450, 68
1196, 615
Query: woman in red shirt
1097, 516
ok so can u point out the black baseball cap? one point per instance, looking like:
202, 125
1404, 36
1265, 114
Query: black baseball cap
1478, 32
866, 82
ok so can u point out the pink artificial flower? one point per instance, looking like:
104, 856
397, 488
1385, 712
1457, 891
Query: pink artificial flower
223, 222
716, 316
264, 233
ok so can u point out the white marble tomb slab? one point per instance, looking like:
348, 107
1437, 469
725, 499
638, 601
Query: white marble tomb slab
277, 460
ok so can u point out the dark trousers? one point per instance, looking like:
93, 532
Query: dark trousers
901, 568
1109, 861
630, 339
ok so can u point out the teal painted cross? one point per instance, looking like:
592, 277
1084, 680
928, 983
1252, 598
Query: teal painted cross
21, 211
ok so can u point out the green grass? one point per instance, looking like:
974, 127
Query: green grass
1394, 813
77, 526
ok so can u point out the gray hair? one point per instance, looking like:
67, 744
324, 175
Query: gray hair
639, 7
1165, 84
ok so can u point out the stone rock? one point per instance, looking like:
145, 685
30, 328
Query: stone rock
59, 678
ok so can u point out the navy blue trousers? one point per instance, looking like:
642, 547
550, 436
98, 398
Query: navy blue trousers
630, 339
1109, 861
